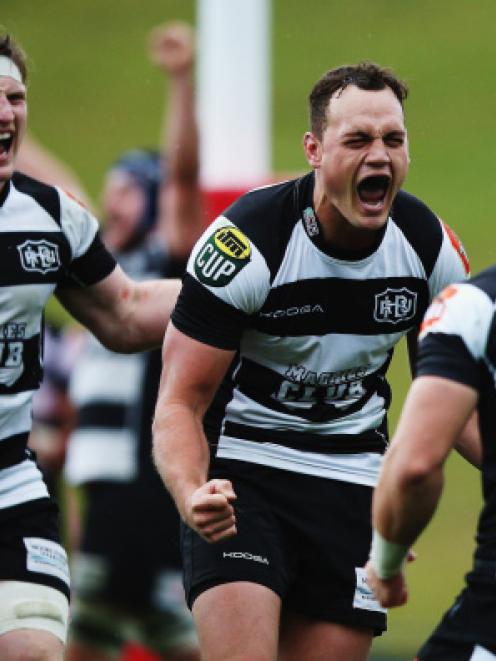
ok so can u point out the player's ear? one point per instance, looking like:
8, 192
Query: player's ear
313, 149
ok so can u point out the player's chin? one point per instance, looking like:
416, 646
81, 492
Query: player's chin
372, 222
371, 216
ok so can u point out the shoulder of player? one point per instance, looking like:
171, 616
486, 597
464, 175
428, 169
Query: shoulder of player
267, 217
420, 226
260, 209
414, 217
48, 197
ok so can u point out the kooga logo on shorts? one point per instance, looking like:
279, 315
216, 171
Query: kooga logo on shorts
243, 555
224, 254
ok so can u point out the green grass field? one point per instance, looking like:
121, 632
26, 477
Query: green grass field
93, 94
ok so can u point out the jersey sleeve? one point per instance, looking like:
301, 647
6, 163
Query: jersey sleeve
91, 261
454, 334
227, 282
452, 263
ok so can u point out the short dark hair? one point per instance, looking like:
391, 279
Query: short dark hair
365, 75
9, 48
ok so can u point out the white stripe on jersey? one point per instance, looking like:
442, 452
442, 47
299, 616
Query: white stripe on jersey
19, 213
394, 255
15, 414
101, 375
243, 410
360, 468
101, 454
20, 484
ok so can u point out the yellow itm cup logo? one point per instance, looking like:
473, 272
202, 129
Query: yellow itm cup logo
232, 242
222, 257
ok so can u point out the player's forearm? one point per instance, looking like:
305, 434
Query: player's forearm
144, 316
404, 502
180, 133
180, 451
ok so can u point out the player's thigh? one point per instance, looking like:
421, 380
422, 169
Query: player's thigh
238, 621
31, 644
306, 639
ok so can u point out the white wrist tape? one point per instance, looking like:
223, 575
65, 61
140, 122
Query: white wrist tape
388, 558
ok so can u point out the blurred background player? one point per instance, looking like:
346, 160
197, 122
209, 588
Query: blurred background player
126, 572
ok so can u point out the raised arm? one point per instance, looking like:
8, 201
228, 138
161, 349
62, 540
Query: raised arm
181, 221
125, 315
191, 375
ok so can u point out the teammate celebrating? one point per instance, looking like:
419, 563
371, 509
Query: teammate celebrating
50, 243
455, 376
299, 293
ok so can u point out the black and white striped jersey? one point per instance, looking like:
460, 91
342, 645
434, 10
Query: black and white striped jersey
458, 342
315, 328
48, 240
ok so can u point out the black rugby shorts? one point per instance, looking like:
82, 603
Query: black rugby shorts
304, 537
30, 547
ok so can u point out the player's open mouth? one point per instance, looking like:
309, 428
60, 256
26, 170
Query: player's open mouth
6, 139
372, 190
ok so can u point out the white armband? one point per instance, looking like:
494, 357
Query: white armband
387, 558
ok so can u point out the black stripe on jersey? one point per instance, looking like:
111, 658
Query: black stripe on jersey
445, 355
13, 450
491, 343
197, 314
15, 270
92, 267
4, 192
46, 196
334, 305
369, 441
420, 226
28, 352
278, 392
257, 210
102, 414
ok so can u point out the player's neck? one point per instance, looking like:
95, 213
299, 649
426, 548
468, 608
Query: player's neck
337, 231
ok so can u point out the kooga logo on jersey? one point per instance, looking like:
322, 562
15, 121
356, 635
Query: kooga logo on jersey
293, 311
223, 255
